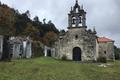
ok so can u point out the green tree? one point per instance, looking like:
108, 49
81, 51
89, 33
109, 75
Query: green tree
117, 52
31, 31
49, 38
6, 21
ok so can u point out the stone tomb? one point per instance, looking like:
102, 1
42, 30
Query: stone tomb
20, 47
15, 47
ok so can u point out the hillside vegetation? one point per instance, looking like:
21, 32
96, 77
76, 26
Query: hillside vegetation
51, 69
14, 23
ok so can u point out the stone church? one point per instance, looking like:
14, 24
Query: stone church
80, 43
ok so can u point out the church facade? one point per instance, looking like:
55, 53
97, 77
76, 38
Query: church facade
78, 43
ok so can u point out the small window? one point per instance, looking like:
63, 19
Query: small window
76, 36
104, 52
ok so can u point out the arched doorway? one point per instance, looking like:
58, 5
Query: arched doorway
76, 54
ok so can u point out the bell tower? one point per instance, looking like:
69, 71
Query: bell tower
77, 17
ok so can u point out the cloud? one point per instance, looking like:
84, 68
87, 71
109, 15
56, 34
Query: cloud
103, 14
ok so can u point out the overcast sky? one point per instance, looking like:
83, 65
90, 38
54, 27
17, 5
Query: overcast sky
103, 14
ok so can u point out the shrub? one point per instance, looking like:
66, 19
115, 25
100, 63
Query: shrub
64, 57
37, 49
102, 60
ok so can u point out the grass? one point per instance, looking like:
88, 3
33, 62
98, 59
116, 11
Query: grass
50, 69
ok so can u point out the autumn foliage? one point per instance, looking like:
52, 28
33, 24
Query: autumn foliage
50, 38
7, 20
13, 23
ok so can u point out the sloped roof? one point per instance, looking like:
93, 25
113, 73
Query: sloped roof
104, 39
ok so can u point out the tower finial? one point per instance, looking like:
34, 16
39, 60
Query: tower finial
82, 6
71, 8
94, 30
77, 1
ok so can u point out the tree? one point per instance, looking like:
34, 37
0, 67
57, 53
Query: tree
21, 21
27, 14
6, 21
62, 32
38, 25
36, 19
49, 38
117, 52
51, 27
44, 21
31, 31
13, 23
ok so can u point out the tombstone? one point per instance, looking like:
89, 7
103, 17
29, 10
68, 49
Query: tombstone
1, 46
28, 49
49, 51
15, 48
6, 55
17, 51
24, 48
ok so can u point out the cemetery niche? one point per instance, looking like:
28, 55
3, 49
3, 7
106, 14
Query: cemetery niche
15, 47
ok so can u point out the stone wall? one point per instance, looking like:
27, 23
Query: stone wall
77, 37
20, 47
106, 50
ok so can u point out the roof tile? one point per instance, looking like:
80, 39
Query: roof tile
104, 39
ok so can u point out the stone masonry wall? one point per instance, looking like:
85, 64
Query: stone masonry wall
77, 37
107, 50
